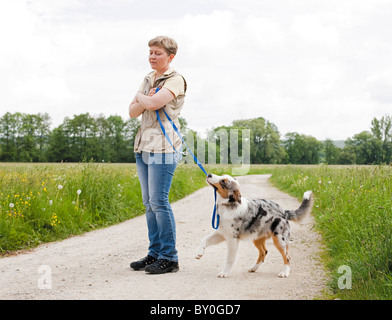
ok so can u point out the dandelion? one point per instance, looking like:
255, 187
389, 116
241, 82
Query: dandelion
50, 202
54, 219
11, 205
77, 199
60, 186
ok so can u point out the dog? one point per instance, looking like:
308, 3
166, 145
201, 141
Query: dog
258, 220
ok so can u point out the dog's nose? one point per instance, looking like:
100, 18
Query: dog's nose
209, 175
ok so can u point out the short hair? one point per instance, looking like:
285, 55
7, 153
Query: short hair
166, 43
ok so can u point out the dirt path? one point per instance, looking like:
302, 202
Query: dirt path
96, 265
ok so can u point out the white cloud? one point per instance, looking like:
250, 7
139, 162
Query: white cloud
316, 67
264, 31
311, 31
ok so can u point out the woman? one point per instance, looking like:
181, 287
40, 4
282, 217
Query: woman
156, 160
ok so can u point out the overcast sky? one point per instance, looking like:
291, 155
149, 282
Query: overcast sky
317, 67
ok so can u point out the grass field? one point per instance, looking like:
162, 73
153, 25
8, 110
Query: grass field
46, 202
353, 210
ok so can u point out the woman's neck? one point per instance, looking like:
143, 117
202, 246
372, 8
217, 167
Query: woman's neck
159, 73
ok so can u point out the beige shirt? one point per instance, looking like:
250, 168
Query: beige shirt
150, 137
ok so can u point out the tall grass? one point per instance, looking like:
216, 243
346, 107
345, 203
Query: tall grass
40, 203
47, 202
353, 211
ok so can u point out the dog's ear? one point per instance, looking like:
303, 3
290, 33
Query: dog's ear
235, 196
223, 183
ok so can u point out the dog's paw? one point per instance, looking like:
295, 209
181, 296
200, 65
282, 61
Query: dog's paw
254, 267
200, 251
285, 273
198, 255
223, 275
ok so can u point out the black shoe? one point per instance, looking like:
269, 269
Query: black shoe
162, 266
142, 263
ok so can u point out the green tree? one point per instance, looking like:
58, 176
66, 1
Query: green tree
265, 144
131, 128
368, 150
382, 132
34, 130
58, 146
42, 131
332, 152
302, 149
23, 137
8, 131
82, 133
347, 156
116, 139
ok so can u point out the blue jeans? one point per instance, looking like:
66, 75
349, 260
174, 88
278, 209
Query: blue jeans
155, 171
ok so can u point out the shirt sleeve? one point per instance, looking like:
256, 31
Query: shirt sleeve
175, 85
141, 87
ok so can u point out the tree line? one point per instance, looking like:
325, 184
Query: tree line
29, 138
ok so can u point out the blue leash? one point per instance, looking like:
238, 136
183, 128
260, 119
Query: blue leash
214, 214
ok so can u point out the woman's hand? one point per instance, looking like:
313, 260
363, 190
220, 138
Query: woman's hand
155, 101
152, 92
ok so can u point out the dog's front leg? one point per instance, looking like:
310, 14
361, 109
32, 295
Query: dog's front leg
232, 247
211, 239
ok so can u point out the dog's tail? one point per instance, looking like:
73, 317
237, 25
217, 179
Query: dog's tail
303, 210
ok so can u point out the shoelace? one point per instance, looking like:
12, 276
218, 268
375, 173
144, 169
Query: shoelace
163, 264
148, 261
